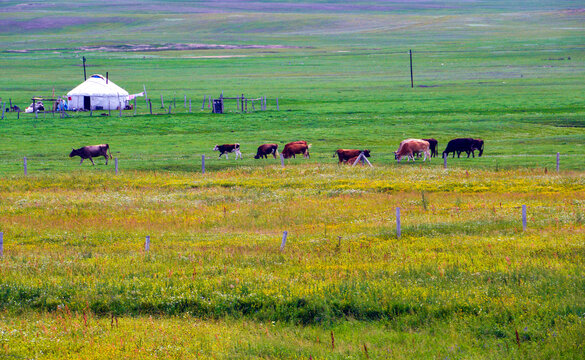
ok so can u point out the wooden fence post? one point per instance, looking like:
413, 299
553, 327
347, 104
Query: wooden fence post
1, 244
134, 106
284, 234
398, 228
116, 163
203, 105
203, 164
170, 106
150, 105
185, 104
444, 161
147, 244
282, 160
189, 105
523, 217
162, 102
558, 161
25, 167
277, 108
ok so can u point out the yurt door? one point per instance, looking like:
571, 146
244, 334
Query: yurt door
87, 103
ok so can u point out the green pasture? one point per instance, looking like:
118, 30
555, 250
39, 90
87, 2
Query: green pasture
464, 281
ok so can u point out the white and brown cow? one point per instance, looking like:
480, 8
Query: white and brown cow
91, 151
228, 148
410, 147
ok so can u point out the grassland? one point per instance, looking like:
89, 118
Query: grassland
463, 281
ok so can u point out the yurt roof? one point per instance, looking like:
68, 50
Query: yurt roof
96, 86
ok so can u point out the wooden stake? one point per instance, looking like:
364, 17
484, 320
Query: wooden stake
398, 228
203, 105
411, 76
524, 217
284, 234
1, 244
147, 244
203, 164
282, 160
444, 161
558, 161
25, 167
116, 163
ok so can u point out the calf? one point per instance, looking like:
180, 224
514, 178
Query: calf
410, 147
346, 154
265, 150
296, 147
89, 152
467, 145
228, 148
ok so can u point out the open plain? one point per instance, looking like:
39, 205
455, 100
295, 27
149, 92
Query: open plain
464, 280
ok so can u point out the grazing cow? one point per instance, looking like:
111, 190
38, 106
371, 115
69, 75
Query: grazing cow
228, 148
346, 154
296, 147
410, 147
89, 152
467, 145
433, 145
477, 145
265, 150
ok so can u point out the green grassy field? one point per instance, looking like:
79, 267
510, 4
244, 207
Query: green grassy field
464, 280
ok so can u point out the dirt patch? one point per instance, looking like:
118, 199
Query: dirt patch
160, 47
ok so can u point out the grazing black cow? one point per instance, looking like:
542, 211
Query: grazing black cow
265, 150
477, 145
228, 148
433, 146
346, 154
89, 152
467, 145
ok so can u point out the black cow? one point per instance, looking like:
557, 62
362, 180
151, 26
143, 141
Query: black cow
265, 150
89, 152
228, 148
467, 145
433, 146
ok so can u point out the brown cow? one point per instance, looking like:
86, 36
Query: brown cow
228, 148
346, 154
89, 152
296, 147
410, 147
265, 150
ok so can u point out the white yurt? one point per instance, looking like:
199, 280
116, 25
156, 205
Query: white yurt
97, 93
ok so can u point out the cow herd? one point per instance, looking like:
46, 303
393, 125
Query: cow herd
409, 148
